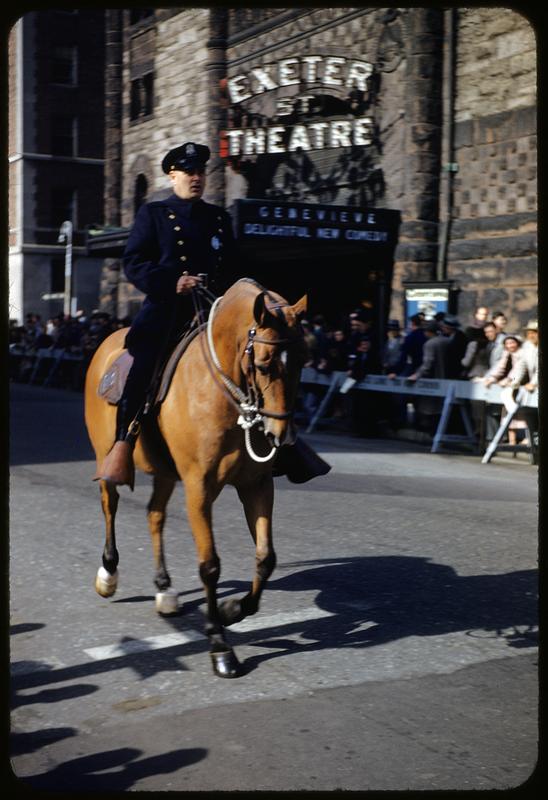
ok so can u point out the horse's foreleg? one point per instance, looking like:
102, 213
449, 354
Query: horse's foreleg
166, 598
257, 501
106, 580
198, 502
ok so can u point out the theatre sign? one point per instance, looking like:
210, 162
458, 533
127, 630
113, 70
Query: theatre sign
304, 128
319, 104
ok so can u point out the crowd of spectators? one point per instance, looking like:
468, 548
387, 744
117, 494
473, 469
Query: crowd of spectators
57, 352
440, 348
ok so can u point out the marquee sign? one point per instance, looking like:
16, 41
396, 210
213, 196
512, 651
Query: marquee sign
305, 103
314, 222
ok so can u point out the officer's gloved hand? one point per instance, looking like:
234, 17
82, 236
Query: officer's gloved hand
187, 283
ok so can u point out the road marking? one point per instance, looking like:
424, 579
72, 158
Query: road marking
166, 640
184, 637
283, 618
143, 645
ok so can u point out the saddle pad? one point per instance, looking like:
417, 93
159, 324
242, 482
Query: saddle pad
112, 383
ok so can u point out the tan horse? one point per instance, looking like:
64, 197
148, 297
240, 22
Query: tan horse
238, 376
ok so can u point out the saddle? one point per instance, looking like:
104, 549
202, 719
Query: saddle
111, 385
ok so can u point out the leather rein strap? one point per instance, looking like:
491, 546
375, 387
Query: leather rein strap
245, 403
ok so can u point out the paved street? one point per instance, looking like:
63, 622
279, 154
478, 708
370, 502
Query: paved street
396, 645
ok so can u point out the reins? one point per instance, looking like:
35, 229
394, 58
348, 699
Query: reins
250, 413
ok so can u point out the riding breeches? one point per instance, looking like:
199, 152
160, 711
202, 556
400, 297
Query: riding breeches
150, 340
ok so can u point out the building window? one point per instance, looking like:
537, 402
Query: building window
63, 136
57, 275
141, 189
142, 96
63, 206
63, 65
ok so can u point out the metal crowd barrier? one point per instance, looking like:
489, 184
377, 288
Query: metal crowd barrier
45, 361
454, 392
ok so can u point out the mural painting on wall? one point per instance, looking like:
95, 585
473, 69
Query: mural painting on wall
303, 128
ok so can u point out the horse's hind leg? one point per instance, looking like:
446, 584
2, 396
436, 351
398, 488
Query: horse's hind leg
199, 502
166, 598
106, 580
257, 501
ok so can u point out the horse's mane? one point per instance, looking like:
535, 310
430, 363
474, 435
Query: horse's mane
252, 281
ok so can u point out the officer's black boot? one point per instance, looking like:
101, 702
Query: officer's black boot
117, 467
299, 462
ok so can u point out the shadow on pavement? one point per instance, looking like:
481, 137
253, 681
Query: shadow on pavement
372, 601
47, 426
111, 770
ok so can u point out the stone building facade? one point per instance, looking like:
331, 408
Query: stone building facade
424, 118
55, 143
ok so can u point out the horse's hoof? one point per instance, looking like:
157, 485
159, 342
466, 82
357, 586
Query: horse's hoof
105, 583
167, 602
231, 611
226, 665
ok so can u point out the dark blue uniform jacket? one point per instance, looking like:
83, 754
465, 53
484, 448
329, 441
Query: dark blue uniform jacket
168, 237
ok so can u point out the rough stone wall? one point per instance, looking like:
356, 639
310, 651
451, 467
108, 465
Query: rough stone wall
416, 254
496, 62
177, 43
493, 247
180, 100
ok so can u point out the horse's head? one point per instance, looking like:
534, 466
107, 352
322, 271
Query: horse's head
272, 359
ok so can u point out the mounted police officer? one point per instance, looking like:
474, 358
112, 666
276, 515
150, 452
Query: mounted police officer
171, 242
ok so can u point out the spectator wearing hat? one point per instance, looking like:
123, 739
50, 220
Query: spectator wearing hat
363, 406
411, 354
510, 371
435, 364
450, 328
435, 354
478, 358
360, 324
412, 347
171, 242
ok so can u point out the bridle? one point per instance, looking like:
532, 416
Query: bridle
248, 403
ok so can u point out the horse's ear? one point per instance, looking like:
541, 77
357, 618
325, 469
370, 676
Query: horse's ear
259, 308
301, 306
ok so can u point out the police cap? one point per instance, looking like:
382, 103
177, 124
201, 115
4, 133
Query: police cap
187, 156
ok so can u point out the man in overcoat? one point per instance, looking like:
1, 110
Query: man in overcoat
171, 243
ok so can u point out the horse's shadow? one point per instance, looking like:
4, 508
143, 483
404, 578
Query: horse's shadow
374, 600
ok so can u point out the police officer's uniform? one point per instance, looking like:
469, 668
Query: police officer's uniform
170, 237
